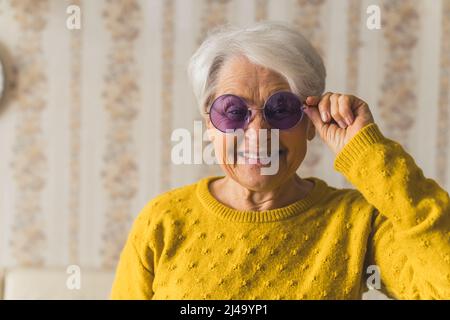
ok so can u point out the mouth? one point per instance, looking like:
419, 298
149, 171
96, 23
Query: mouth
263, 158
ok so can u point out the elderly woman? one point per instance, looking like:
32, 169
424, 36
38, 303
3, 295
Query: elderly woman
248, 235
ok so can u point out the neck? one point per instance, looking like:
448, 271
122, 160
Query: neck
236, 196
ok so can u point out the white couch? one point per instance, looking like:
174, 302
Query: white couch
51, 283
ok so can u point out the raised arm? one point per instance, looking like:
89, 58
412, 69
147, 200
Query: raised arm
410, 242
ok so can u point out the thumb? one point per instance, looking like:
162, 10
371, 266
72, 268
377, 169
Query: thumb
314, 115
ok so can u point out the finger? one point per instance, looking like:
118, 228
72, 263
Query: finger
312, 100
315, 100
313, 114
334, 107
324, 107
345, 108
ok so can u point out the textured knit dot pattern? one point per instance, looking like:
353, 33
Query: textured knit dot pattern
187, 245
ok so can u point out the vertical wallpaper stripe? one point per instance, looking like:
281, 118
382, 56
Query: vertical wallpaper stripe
56, 119
149, 125
427, 69
29, 161
168, 39
308, 20
75, 138
214, 14
122, 97
398, 106
353, 44
261, 10
93, 197
443, 135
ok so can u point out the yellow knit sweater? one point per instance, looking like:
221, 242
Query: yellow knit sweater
187, 245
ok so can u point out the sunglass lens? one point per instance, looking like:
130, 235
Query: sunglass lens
283, 110
228, 112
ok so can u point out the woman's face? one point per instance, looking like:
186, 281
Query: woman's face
255, 84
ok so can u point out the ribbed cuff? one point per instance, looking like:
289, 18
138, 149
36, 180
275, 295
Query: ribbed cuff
357, 146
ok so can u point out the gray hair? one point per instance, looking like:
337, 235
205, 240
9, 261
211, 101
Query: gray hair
273, 45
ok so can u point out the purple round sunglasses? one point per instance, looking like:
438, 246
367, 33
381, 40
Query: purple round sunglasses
282, 110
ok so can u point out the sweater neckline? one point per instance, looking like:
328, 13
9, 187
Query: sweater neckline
230, 214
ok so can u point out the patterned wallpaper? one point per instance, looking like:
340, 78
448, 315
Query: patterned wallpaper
398, 105
85, 129
75, 141
28, 158
121, 92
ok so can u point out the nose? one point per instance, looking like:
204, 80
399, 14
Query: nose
253, 135
256, 120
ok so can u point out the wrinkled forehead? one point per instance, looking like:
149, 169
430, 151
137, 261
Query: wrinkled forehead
254, 83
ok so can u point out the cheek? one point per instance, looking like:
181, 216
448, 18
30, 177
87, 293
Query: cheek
295, 143
223, 148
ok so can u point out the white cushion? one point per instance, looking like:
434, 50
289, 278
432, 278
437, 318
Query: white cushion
27, 283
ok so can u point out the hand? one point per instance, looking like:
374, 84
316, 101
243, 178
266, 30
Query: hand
337, 117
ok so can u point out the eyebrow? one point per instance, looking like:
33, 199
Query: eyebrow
271, 93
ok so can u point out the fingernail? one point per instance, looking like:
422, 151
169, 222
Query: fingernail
323, 114
348, 120
341, 124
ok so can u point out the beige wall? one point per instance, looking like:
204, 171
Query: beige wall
85, 126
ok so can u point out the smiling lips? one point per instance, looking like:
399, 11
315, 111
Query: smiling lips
258, 159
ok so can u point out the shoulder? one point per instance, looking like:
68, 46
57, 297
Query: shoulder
154, 219
170, 203
348, 208
347, 199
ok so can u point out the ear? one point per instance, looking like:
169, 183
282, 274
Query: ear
310, 130
209, 127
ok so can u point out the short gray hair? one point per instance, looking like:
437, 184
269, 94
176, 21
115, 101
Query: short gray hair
273, 45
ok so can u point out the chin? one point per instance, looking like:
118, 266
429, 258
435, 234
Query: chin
250, 176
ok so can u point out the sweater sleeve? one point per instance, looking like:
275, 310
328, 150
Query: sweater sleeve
410, 240
135, 273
